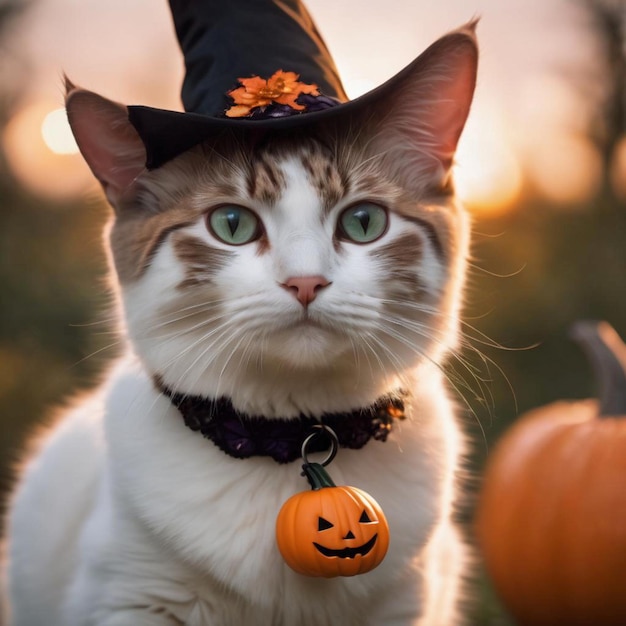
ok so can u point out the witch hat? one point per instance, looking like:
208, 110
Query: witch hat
287, 78
222, 41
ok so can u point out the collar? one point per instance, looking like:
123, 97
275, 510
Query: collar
242, 436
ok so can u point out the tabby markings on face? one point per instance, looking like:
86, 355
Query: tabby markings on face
187, 193
201, 261
401, 257
265, 181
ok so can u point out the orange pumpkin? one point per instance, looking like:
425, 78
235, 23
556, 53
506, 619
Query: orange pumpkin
551, 519
331, 531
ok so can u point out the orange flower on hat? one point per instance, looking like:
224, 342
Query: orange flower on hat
281, 88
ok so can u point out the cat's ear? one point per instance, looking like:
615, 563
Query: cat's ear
107, 140
424, 115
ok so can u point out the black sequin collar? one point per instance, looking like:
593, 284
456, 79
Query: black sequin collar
242, 436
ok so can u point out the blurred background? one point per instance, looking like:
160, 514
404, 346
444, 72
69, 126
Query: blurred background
541, 166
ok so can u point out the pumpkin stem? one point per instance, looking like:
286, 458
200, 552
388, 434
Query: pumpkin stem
317, 476
607, 354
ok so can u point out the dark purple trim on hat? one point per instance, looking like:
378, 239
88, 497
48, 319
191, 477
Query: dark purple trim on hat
275, 110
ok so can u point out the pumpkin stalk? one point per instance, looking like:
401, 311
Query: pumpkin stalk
317, 476
607, 354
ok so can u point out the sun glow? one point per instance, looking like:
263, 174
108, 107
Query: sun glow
567, 169
487, 173
42, 154
562, 163
618, 169
57, 134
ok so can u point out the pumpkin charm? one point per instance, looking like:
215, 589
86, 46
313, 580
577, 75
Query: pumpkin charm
551, 519
331, 531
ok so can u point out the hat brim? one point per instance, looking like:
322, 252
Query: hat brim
167, 134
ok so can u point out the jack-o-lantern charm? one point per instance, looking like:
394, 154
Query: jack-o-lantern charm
331, 531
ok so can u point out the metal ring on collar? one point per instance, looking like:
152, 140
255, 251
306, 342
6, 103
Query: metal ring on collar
321, 429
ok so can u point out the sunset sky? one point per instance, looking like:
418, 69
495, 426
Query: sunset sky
525, 107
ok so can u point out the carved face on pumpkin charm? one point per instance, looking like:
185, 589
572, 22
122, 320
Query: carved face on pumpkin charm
332, 531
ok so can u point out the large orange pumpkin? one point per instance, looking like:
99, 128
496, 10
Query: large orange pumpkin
551, 519
331, 531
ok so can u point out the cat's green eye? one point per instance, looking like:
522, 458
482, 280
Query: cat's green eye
362, 223
234, 225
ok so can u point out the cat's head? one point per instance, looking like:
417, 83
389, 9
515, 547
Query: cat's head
335, 253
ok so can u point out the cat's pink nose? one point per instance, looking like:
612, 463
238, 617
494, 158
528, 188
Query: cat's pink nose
305, 288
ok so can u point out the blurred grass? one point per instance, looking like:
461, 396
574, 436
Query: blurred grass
52, 269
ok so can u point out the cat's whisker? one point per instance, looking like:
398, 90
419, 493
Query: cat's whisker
355, 354
468, 342
480, 336
375, 354
91, 355
232, 167
489, 362
216, 348
459, 381
108, 321
200, 312
396, 363
189, 310
186, 330
229, 358
247, 354
364, 351
192, 347
186, 312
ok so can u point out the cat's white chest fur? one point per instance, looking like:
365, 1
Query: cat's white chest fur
177, 525
168, 529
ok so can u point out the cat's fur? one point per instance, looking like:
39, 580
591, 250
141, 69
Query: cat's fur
125, 517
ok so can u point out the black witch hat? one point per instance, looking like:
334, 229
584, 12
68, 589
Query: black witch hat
273, 51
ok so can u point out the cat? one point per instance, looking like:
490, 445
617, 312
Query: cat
310, 272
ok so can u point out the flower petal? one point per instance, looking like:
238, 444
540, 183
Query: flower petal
240, 95
288, 77
254, 83
282, 88
312, 89
290, 100
238, 111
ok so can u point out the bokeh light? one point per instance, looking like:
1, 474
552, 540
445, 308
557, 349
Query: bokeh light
488, 174
57, 134
40, 153
566, 169
618, 169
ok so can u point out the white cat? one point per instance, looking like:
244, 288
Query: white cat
311, 273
